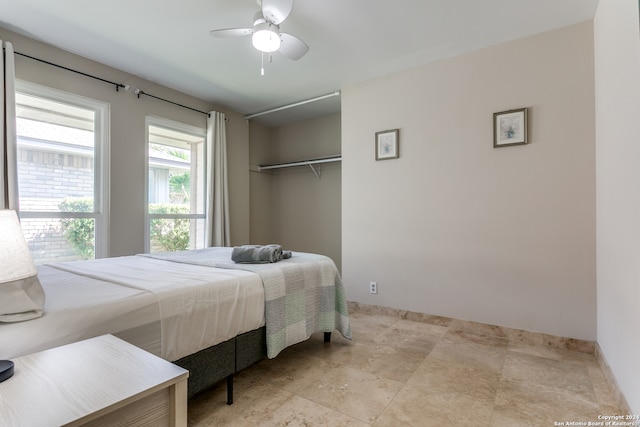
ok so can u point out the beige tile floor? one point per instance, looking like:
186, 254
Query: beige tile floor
398, 372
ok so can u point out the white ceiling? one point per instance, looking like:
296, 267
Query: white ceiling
350, 41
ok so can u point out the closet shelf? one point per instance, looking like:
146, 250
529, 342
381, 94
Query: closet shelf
308, 162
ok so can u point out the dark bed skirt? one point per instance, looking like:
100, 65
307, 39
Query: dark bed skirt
214, 364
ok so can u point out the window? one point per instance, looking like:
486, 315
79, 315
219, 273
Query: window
62, 173
175, 186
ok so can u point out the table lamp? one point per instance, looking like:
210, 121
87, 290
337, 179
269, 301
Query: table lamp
21, 295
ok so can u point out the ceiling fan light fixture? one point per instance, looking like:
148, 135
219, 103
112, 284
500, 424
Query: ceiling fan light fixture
266, 37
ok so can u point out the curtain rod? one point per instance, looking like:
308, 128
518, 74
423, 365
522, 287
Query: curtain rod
138, 92
295, 104
117, 85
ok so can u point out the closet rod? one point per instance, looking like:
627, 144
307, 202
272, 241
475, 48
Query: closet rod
295, 104
302, 163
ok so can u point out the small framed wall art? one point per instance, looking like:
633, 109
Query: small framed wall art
510, 128
387, 144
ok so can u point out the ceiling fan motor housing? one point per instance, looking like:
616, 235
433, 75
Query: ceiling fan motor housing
266, 37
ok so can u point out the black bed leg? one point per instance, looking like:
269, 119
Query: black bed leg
230, 389
327, 337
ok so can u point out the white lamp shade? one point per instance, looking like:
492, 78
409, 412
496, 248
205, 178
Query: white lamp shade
265, 37
21, 295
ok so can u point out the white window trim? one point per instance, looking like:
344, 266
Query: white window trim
181, 127
102, 153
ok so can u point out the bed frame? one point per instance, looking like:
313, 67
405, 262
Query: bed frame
214, 364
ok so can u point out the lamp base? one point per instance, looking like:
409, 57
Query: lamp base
6, 370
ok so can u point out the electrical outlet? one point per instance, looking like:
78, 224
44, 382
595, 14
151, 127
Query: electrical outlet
373, 287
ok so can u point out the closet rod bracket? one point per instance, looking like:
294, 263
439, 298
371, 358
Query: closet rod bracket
316, 172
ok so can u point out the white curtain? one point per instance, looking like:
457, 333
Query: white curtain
217, 192
8, 154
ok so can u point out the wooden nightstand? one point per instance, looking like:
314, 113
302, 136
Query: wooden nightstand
99, 381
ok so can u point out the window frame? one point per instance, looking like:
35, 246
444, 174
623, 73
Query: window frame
151, 120
101, 161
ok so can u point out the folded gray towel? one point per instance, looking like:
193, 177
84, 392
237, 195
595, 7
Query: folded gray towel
256, 254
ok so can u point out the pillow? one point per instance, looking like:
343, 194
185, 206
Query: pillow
21, 295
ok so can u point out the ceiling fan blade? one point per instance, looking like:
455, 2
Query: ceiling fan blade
292, 47
231, 32
276, 11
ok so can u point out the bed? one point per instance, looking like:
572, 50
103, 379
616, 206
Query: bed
197, 308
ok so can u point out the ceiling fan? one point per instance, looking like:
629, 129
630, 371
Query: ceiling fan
265, 33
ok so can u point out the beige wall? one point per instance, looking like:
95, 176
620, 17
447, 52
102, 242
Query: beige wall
455, 227
301, 212
617, 67
261, 216
128, 135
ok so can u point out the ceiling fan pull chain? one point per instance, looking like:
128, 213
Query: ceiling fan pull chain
262, 68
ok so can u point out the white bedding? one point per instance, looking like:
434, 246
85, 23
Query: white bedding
169, 309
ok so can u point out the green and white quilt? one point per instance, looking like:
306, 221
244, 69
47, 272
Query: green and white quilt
303, 294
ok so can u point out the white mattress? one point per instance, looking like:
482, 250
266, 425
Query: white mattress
169, 309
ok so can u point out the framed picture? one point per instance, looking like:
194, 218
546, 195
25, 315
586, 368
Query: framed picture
510, 128
387, 144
